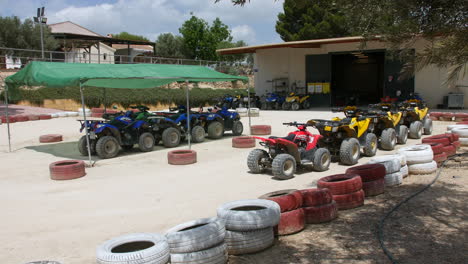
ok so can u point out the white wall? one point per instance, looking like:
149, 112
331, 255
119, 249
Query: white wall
290, 63
82, 56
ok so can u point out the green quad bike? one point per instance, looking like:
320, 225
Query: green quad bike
345, 138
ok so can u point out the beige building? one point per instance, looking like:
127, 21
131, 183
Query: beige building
350, 71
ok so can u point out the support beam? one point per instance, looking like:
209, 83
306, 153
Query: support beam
99, 52
188, 113
86, 125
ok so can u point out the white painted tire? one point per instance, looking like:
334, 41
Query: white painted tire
72, 113
265, 213
404, 171
156, 254
393, 179
417, 154
464, 141
87, 114
196, 235
214, 255
241, 110
451, 127
62, 114
462, 132
392, 163
249, 241
423, 168
54, 115
81, 110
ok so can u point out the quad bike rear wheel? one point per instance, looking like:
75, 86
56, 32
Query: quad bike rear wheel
295, 106
306, 104
370, 145
322, 159
171, 137
349, 151
286, 106
416, 130
198, 134
107, 147
254, 160
427, 126
237, 128
215, 130
402, 134
388, 139
146, 142
283, 166
83, 146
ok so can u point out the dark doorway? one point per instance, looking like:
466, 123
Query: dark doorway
357, 78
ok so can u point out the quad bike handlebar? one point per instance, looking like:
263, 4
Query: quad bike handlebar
296, 124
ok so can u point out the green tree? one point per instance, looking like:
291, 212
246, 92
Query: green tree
305, 19
128, 36
169, 45
201, 40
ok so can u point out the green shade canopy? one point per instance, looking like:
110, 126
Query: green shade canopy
129, 76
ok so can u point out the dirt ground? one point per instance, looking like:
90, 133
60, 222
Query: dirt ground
139, 192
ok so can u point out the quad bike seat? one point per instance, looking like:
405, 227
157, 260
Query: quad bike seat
288, 137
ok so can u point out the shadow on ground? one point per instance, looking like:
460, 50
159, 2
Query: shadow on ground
431, 228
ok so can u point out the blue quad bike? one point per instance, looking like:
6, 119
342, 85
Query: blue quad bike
117, 131
219, 120
273, 101
178, 117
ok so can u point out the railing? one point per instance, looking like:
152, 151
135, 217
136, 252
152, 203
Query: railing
11, 58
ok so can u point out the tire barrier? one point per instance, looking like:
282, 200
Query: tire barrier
50, 138
243, 142
67, 169
260, 130
345, 188
318, 206
182, 157
372, 176
45, 117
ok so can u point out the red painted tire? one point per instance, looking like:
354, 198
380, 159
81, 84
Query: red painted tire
442, 139
33, 117
316, 197
243, 142
97, 110
67, 169
288, 200
435, 114
321, 214
45, 117
462, 122
341, 183
50, 138
450, 150
460, 115
350, 200
441, 157
260, 130
12, 119
434, 118
182, 157
455, 137
436, 147
111, 111
457, 144
291, 222
464, 119
97, 115
21, 118
373, 188
368, 172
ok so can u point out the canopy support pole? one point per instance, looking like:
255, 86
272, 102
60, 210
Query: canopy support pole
86, 125
188, 114
104, 99
7, 118
248, 111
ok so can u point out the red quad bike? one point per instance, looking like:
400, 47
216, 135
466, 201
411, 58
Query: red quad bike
298, 148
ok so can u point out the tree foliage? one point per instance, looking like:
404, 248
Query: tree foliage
305, 19
169, 45
128, 36
24, 35
201, 39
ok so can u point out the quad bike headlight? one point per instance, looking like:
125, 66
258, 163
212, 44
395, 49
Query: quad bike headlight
334, 129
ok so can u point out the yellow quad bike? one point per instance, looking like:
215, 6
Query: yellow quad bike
415, 117
295, 102
345, 137
389, 127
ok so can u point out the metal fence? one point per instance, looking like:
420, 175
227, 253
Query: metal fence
11, 58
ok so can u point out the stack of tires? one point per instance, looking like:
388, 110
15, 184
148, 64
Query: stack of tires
242, 111
462, 133
460, 116
249, 225
420, 159
141, 248
97, 112
439, 155
449, 143
395, 168
292, 215
318, 206
87, 112
199, 241
435, 115
346, 190
446, 117
372, 176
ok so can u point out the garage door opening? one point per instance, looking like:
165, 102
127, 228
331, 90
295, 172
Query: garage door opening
357, 78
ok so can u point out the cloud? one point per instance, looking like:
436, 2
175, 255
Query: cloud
245, 33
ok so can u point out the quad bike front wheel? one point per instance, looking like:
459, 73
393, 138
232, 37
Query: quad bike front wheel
83, 146
370, 145
322, 159
198, 134
107, 147
286, 106
171, 137
306, 104
215, 130
388, 139
350, 151
283, 166
427, 126
402, 134
295, 106
146, 142
416, 128
254, 160
237, 128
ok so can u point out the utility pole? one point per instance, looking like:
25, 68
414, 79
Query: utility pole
41, 19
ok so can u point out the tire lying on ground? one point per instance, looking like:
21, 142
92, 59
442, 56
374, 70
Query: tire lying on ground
450, 150
321, 213
33, 117
243, 142
316, 197
417, 154
439, 158
442, 139
452, 127
214, 255
392, 163
291, 222
45, 117
260, 130
374, 188
341, 183
245, 215
50, 138
393, 179
350, 200
287, 200
462, 132
182, 157
368, 172
44, 262
67, 169
404, 171
196, 235
134, 248
436, 147
244, 242
423, 168
21, 118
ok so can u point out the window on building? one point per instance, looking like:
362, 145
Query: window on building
84, 55
105, 56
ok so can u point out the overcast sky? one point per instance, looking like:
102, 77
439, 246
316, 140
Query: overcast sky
253, 23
